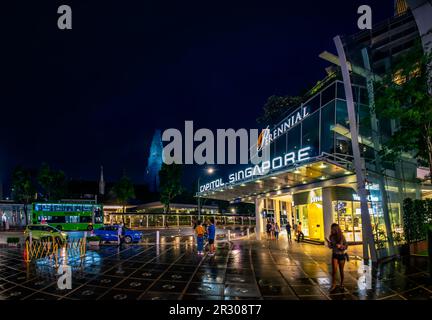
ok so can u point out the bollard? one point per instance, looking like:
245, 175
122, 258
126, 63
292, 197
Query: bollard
429, 237
157, 237
247, 231
229, 235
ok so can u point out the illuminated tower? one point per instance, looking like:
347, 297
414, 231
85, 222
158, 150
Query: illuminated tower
154, 162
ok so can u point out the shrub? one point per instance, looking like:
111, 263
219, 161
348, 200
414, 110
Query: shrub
93, 238
416, 215
13, 240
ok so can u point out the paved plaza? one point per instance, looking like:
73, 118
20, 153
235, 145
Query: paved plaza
241, 269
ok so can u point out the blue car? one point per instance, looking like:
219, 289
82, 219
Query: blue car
109, 233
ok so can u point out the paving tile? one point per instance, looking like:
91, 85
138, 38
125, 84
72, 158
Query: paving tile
119, 294
168, 286
134, 284
16, 293
306, 290
206, 289
417, 294
241, 290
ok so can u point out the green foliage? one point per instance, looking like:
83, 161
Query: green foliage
276, 107
93, 238
124, 190
53, 182
23, 189
169, 183
380, 238
403, 95
417, 215
12, 240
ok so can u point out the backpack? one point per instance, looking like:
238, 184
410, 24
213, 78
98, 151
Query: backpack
200, 231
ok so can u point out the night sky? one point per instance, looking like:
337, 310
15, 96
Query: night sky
94, 95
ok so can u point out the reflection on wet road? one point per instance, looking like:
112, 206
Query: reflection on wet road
239, 270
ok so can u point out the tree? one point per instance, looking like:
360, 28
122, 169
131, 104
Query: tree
403, 95
124, 191
52, 182
277, 106
23, 189
170, 184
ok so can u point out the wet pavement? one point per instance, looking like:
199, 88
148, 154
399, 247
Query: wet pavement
241, 269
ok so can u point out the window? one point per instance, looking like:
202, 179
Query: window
342, 113
310, 132
328, 94
57, 219
340, 91
313, 104
72, 219
327, 124
294, 139
280, 146
85, 219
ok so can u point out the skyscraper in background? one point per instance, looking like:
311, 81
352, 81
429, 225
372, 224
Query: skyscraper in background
154, 162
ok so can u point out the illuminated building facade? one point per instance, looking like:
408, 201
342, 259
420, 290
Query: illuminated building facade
322, 187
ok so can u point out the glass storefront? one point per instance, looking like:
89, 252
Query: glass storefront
309, 211
348, 215
311, 216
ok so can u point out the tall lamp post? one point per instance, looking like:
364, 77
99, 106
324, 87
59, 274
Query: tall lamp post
208, 171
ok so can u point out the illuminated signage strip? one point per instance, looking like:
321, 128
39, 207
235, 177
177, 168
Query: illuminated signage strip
264, 168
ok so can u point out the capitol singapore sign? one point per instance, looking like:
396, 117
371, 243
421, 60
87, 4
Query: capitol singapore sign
289, 159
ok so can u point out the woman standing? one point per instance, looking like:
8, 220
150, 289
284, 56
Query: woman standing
337, 243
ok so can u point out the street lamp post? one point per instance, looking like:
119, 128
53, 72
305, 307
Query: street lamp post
209, 171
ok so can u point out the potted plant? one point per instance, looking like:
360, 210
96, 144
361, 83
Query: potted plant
93, 241
12, 241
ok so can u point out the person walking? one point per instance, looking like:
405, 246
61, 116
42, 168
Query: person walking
300, 232
119, 233
268, 229
199, 230
211, 236
288, 230
276, 230
337, 243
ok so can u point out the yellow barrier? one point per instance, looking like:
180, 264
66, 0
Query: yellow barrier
53, 249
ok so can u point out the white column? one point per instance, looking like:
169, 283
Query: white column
277, 211
259, 204
147, 218
368, 239
327, 210
178, 221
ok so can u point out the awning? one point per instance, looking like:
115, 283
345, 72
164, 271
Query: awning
320, 169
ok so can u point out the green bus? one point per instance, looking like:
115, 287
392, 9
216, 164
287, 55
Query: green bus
68, 216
